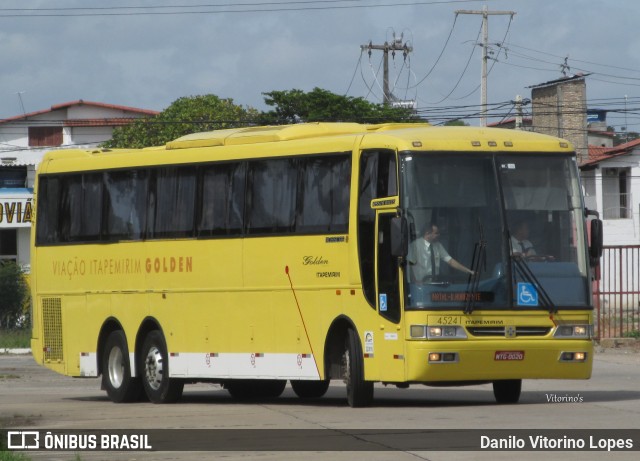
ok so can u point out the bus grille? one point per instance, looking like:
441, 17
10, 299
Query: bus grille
500, 331
52, 329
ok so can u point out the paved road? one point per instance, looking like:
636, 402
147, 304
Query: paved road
34, 397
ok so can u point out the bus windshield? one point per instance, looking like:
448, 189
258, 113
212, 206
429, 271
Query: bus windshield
493, 232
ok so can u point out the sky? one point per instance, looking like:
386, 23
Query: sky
148, 53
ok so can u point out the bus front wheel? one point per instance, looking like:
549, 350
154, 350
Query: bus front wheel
155, 371
116, 370
359, 391
507, 391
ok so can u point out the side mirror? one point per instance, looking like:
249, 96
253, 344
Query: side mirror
399, 237
596, 241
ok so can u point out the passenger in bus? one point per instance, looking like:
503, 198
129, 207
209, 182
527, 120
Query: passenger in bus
426, 254
520, 244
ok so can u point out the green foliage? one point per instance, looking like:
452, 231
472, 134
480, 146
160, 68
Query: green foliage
186, 115
456, 123
632, 334
318, 105
15, 339
209, 112
12, 456
623, 136
14, 295
6, 455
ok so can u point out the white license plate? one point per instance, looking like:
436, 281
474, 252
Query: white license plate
509, 355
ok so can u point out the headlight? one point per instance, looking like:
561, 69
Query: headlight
437, 332
581, 331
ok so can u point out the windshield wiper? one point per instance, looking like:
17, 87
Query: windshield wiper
479, 259
525, 272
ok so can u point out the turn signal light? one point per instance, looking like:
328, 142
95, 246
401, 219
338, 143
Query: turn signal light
573, 356
443, 357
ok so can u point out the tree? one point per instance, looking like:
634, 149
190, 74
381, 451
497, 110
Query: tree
184, 116
14, 294
622, 137
457, 122
318, 105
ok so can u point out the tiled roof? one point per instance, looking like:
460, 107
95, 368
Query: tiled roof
598, 154
525, 121
79, 102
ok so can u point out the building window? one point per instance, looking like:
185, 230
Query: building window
13, 177
616, 193
8, 245
45, 136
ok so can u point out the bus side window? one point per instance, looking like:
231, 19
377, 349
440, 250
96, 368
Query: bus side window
81, 207
377, 178
323, 200
174, 193
126, 202
47, 216
271, 197
222, 192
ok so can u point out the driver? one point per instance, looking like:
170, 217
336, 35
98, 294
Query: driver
425, 255
520, 243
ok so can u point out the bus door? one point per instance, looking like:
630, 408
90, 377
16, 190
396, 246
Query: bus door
389, 337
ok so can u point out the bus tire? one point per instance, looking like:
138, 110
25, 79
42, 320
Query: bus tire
359, 391
310, 389
155, 371
116, 370
507, 390
255, 389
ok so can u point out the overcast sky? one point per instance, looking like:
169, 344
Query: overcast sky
53, 52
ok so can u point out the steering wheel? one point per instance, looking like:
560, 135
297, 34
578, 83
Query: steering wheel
540, 258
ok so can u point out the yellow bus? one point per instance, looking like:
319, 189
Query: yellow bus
254, 256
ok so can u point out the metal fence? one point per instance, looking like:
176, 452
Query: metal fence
617, 292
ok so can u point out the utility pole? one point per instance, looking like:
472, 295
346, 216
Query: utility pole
518, 112
485, 46
519, 103
396, 45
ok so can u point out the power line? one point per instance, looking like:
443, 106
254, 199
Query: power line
573, 60
438, 58
462, 74
359, 63
254, 7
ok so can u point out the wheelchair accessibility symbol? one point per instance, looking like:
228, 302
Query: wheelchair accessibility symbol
527, 294
383, 302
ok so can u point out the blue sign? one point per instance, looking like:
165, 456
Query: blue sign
596, 115
527, 294
383, 302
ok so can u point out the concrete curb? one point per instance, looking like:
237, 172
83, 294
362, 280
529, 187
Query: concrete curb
21, 351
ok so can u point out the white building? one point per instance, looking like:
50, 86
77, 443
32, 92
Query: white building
23, 141
611, 181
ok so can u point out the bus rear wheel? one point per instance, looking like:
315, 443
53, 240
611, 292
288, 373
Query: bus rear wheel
359, 391
155, 371
310, 389
507, 391
116, 370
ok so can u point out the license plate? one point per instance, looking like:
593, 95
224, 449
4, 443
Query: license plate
509, 355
